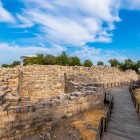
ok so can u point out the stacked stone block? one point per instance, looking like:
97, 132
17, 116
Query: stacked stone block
32, 98
27, 120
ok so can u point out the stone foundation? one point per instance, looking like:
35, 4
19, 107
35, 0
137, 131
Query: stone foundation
34, 98
30, 119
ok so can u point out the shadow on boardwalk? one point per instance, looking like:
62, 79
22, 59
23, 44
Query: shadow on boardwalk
124, 123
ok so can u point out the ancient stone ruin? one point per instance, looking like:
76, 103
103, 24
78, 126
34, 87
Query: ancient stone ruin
33, 98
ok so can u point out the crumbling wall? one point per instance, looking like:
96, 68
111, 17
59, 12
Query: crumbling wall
47, 81
21, 121
32, 98
9, 83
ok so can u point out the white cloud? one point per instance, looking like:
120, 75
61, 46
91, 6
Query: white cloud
87, 53
9, 52
130, 4
111, 54
66, 23
71, 22
5, 16
96, 54
30, 49
27, 22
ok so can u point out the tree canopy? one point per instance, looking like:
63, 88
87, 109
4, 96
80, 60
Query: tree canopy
114, 62
87, 63
15, 63
65, 60
100, 63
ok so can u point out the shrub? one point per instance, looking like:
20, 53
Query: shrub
100, 63
87, 63
114, 62
50, 60
5, 66
15, 63
74, 61
31, 61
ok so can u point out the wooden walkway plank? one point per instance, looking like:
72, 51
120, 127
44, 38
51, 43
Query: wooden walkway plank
124, 123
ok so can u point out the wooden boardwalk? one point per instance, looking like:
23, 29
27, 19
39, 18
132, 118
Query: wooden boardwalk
124, 122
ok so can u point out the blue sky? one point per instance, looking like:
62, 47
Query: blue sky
95, 30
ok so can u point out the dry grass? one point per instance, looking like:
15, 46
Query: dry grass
137, 94
91, 118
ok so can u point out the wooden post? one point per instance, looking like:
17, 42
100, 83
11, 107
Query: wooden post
101, 128
105, 99
104, 124
138, 108
65, 83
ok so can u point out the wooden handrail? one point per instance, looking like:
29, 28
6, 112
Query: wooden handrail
109, 109
104, 120
136, 104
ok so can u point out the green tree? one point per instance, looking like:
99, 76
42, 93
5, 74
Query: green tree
40, 58
122, 67
100, 63
138, 64
5, 66
15, 63
31, 61
63, 59
114, 62
74, 61
129, 64
50, 59
59, 60
87, 63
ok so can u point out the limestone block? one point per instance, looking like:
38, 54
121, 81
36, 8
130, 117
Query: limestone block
43, 84
5, 106
4, 87
11, 138
61, 110
17, 137
12, 98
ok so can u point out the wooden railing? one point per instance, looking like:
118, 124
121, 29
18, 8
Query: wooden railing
104, 120
136, 104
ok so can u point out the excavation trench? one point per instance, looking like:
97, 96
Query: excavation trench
82, 126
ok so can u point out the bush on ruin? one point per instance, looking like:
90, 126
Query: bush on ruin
31, 61
114, 62
5, 66
100, 63
15, 63
74, 61
50, 60
63, 59
87, 63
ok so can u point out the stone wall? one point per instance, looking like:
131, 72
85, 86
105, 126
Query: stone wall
21, 121
47, 81
32, 98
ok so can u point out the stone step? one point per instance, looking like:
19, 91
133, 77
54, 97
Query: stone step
12, 98
25, 98
3, 83
3, 93
1, 79
3, 87
5, 106
2, 101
